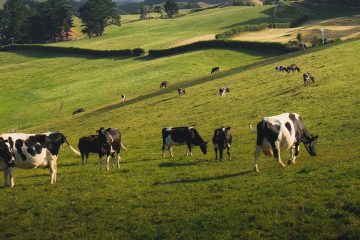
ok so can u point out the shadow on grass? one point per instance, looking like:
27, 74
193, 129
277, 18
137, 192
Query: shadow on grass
205, 179
181, 164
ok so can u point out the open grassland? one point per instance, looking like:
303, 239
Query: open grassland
197, 197
44, 86
161, 33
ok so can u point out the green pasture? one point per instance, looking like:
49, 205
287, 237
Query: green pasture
185, 197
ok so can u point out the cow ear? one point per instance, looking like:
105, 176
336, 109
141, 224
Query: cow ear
228, 128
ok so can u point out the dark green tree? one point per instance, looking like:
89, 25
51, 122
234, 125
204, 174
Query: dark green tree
13, 20
171, 8
96, 15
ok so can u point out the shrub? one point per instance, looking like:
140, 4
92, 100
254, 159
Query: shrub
138, 52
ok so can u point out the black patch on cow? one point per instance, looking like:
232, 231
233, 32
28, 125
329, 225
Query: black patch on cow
5, 153
18, 145
270, 132
31, 151
288, 126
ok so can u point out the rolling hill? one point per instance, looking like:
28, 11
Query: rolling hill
184, 197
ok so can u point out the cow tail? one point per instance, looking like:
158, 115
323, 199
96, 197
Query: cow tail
123, 147
251, 128
77, 153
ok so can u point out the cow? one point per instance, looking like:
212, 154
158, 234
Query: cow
33, 151
182, 136
215, 69
181, 91
281, 69
307, 77
223, 90
163, 84
7, 160
78, 111
222, 140
123, 98
107, 142
293, 68
282, 132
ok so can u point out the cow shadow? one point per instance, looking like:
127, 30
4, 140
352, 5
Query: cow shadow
205, 179
181, 164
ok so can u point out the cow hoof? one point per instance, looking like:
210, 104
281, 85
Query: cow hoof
256, 169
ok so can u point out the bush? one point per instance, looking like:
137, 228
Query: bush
138, 52
82, 51
315, 41
224, 44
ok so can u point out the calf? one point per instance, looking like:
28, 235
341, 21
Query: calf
107, 142
308, 77
281, 69
34, 150
78, 111
181, 91
215, 69
163, 84
293, 68
223, 90
222, 140
182, 136
282, 132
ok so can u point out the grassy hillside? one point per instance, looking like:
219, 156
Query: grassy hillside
160, 33
196, 197
60, 84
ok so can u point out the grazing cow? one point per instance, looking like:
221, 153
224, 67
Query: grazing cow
282, 132
303, 46
34, 150
293, 68
78, 111
182, 136
181, 91
307, 77
215, 69
222, 140
163, 84
107, 142
281, 69
123, 97
7, 160
223, 90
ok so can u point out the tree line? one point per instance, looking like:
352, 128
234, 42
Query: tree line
27, 21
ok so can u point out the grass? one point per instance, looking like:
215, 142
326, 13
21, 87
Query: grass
190, 197
161, 33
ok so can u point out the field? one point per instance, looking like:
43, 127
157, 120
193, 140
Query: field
184, 197
161, 33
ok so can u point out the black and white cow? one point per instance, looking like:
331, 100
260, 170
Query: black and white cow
163, 84
281, 69
293, 68
80, 110
308, 77
215, 69
181, 91
182, 136
280, 133
7, 160
33, 151
123, 98
222, 140
107, 142
223, 90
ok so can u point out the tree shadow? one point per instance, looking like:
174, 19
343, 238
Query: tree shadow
206, 179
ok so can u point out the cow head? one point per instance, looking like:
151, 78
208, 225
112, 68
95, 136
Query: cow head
203, 147
105, 140
6, 151
310, 145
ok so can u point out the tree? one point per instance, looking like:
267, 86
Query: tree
97, 14
13, 20
171, 8
145, 9
299, 38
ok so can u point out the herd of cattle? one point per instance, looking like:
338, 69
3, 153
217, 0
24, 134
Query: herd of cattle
274, 135
307, 77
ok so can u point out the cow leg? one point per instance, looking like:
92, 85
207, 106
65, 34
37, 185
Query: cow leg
276, 149
82, 158
163, 150
170, 151
292, 155
189, 150
221, 150
6, 177
108, 162
10, 173
52, 172
228, 153
216, 153
256, 156
113, 160
87, 158
118, 159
